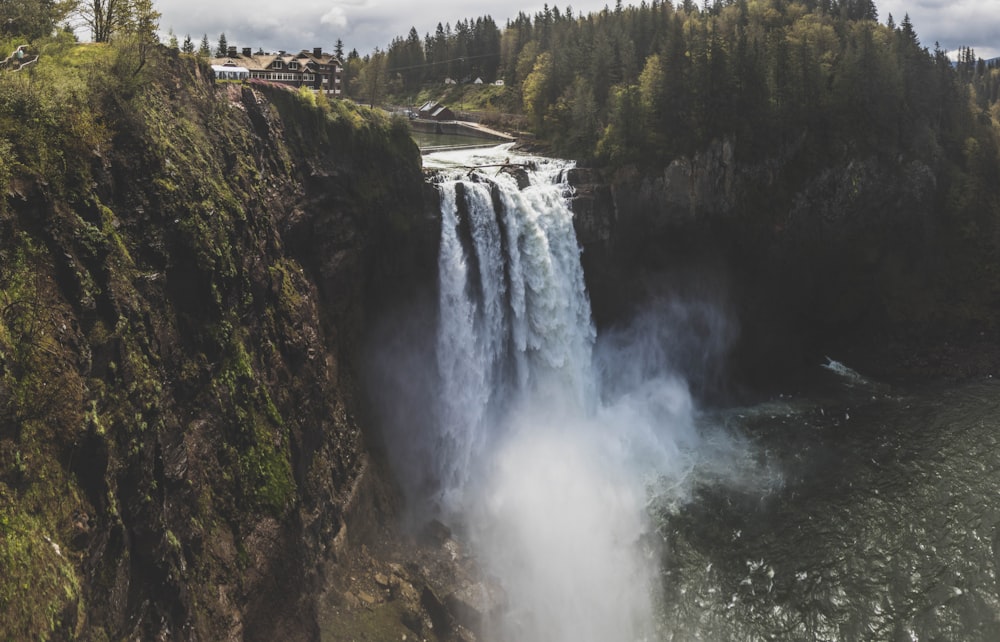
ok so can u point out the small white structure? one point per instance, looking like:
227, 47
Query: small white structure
499, 82
450, 81
477, 81
230, 72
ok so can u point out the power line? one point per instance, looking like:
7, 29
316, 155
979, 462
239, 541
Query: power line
442, 62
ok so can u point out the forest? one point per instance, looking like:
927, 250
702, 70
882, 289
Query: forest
649, 82
803, 84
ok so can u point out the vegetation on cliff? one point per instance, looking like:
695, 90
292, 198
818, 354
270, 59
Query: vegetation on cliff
185, 271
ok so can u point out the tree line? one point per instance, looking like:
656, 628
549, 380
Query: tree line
651, 81
106, 19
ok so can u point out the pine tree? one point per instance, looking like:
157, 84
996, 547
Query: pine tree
222, 49
204, 50
188, 46
338, 49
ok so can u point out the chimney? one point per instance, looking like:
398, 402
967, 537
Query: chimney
232, 51
317, 52
246, 52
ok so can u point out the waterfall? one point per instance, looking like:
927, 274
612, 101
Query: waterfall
548, 469
514, 314
549, 450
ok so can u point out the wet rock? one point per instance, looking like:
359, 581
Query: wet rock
435, 533
518, 174
477, 605
401, 589
436, 609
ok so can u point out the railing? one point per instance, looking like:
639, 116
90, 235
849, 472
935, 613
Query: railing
18, 59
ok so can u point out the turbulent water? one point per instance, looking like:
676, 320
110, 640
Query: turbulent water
550, 444
885, 526
609, 507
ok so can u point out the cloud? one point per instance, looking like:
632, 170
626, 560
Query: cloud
366, 24
335, 17
952, 24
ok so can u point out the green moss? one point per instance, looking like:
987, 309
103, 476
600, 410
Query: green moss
283, 273
40, 592
259, 451
267, 471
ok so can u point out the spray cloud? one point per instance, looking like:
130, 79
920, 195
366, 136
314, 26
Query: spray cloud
548, 444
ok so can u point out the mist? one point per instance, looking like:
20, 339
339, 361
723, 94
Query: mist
543, 445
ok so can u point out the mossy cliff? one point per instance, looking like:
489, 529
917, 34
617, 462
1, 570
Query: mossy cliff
874, 258
186, 271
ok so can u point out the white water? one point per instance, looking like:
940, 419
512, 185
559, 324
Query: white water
548, 445
543, 476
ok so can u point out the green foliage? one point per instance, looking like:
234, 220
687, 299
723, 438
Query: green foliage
767, 74
39, 395
157, 341
40, 594
538, 86
30, 19
259, 445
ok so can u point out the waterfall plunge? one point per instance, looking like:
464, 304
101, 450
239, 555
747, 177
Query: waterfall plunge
548, 445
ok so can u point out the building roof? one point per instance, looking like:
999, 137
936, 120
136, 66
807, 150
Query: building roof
264, 61
229, 68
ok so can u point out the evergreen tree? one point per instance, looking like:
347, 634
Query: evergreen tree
222, 49
188, 46
204, 50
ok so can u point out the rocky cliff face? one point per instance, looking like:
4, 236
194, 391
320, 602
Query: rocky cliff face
801, 261
181, 444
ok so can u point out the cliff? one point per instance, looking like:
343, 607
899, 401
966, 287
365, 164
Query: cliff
187, 273
858, 255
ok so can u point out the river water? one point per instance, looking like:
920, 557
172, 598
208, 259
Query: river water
609, 506
883, 527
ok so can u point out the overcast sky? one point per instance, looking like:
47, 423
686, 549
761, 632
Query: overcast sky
365, 24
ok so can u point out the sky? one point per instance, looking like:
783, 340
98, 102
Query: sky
365, 24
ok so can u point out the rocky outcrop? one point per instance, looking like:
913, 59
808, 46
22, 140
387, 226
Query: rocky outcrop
808, 258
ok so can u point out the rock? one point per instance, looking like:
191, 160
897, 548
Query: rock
435, 533
413, 621
436, 609
519, 175
402, 589
477, 605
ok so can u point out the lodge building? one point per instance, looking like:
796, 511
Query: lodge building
313, 69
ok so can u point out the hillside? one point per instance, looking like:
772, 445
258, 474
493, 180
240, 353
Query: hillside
186, 276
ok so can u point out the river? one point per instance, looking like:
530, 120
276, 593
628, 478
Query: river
610, 506
883, 527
